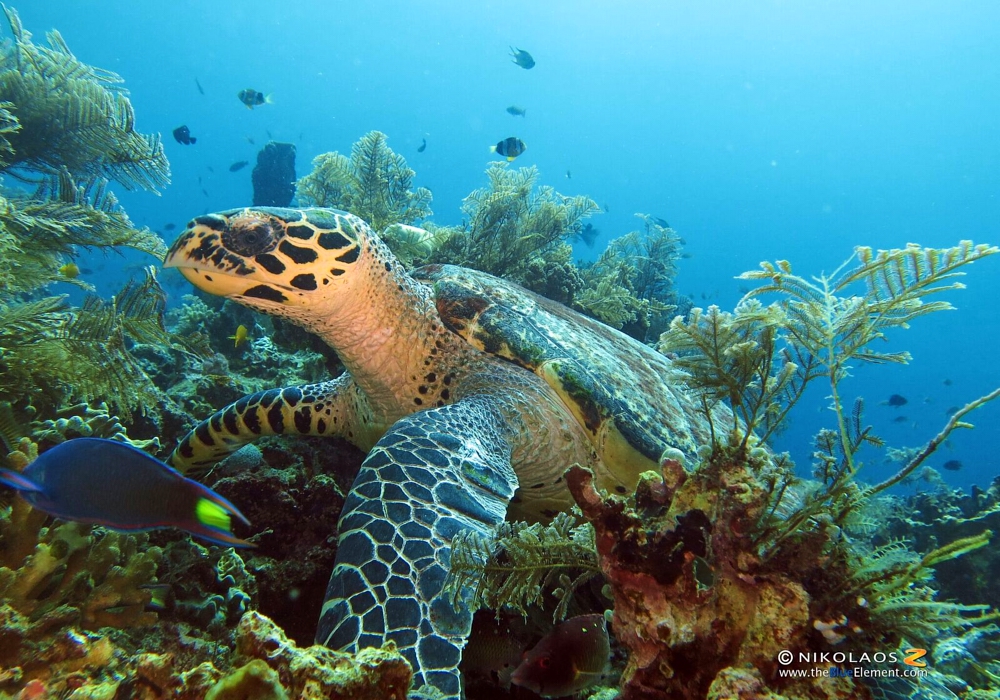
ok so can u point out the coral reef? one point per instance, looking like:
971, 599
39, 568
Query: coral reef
318, 672
688, 602
929, 519
58, 579
374, 183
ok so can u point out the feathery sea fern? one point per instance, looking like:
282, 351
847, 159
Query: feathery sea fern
510, 223
520, 565
69, 128
374, 183
760, 359
71, 116
48, 347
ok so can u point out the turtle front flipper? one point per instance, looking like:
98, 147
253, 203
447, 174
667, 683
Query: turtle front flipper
434, 474
315, 409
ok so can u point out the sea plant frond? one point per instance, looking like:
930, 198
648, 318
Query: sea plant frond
72, 116
374, 183
511, 222
522, 564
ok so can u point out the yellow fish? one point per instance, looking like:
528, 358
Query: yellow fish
240, 336
69, 270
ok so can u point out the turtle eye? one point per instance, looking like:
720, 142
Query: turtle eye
544, 662
251, 238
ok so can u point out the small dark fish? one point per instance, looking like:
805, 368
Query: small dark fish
511, 147
569, 175
110, 483
169, 227
952, 410
522, 58
200, 88
183, 135
896, 400
251, 98
204, 191
947, 382
210, 168
268, 132
516, 111
900, 419
573, 656
687, 256
607, 209
422, 147
252, 142
952, 465
588, 234
662, 223
238, 165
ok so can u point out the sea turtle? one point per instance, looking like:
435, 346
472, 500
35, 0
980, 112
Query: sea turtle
470, 394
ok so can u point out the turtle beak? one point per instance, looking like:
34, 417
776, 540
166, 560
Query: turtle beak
209, 279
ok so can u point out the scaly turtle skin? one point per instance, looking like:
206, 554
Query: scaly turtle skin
470, 395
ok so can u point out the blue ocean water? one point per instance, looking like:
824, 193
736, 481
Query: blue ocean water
759, 130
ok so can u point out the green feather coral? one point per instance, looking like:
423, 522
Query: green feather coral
522, 564
631, 284
46, 345
759, 359
68, 128
374, 183
510, 223
71, 116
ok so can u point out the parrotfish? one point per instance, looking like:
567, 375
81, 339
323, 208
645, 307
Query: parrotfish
110, 483
573, 656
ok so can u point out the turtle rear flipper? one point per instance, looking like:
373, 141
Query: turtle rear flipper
321, 409
434, 474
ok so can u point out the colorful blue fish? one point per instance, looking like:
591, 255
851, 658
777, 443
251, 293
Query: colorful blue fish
93, 480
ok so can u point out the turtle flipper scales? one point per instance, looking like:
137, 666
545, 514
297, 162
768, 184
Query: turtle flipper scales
315, 409
434, 474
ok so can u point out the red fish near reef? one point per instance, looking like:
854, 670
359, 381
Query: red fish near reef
110, 483
573, 656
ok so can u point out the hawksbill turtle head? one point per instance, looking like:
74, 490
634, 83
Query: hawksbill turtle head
280, 261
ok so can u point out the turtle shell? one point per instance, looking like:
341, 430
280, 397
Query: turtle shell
630, 398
